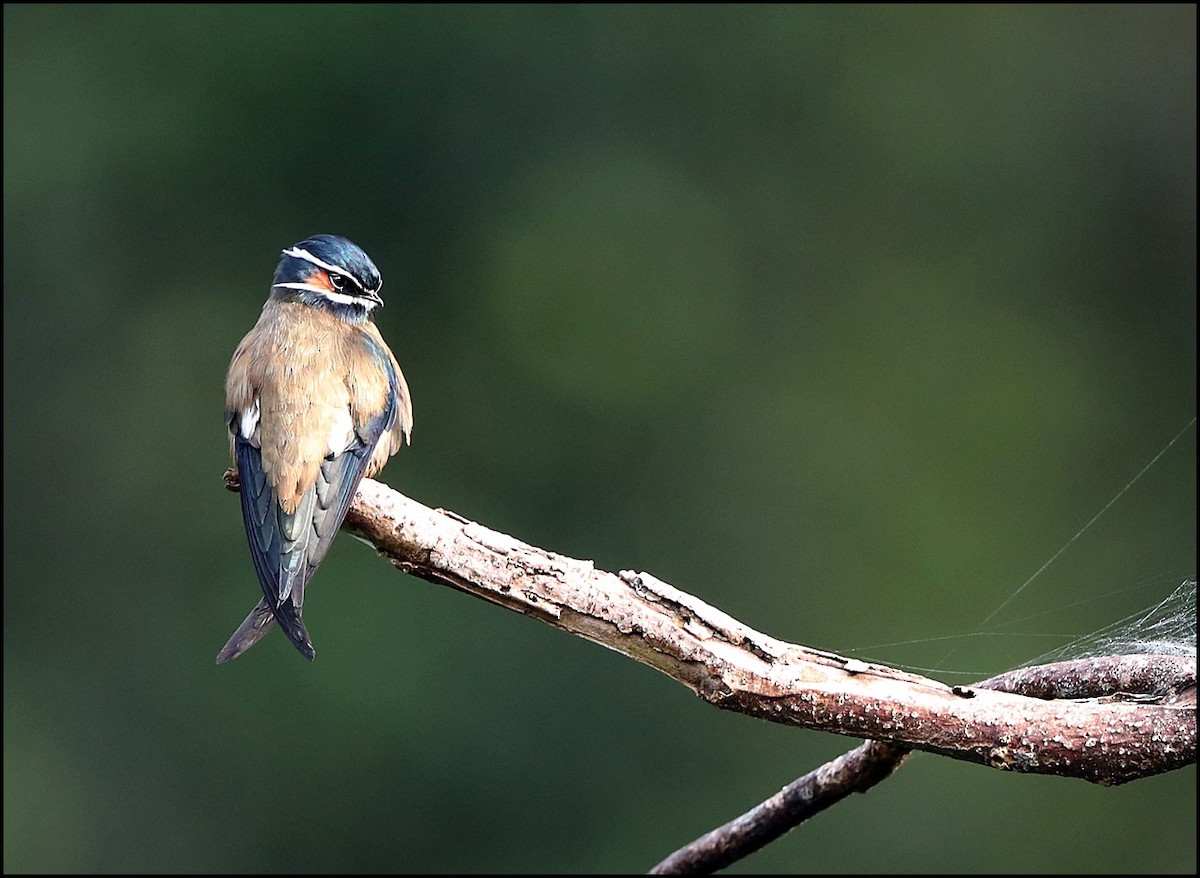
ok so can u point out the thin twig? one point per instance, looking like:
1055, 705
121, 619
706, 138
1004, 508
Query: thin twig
1149, 678
732, 666
852, 772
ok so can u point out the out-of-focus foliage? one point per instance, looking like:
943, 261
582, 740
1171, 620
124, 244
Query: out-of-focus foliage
844, 319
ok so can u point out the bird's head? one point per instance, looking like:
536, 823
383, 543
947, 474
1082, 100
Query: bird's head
329, 271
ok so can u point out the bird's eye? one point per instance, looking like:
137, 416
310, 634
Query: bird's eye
336, 280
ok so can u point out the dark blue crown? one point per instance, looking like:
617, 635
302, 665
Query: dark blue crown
335, 251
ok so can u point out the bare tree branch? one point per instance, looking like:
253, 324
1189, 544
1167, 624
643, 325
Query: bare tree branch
1147, 678
1129, 717
1164, 679
853, 772
737, 668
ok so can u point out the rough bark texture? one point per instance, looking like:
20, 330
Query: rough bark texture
1105, 740
1151, 678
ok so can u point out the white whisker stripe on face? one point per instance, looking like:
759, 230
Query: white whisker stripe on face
339, 298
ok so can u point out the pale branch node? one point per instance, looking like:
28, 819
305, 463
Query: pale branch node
1104, 740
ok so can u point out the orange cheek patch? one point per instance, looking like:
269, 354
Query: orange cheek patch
320, 278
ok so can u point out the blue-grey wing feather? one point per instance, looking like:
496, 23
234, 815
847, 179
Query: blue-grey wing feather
288, 548
265, 534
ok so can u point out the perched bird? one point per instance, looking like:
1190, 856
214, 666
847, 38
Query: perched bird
314, 400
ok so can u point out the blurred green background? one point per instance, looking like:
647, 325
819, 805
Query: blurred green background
844, 319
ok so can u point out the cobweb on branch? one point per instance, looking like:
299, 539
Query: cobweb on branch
1167, 628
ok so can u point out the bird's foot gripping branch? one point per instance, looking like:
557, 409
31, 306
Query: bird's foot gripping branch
1107, 736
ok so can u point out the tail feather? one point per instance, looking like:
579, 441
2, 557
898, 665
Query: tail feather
259, 623
287, 615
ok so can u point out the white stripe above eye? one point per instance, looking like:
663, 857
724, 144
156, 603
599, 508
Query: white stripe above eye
340, 298
301, 253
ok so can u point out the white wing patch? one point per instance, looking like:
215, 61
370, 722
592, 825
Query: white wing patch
341, 432
249, 423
